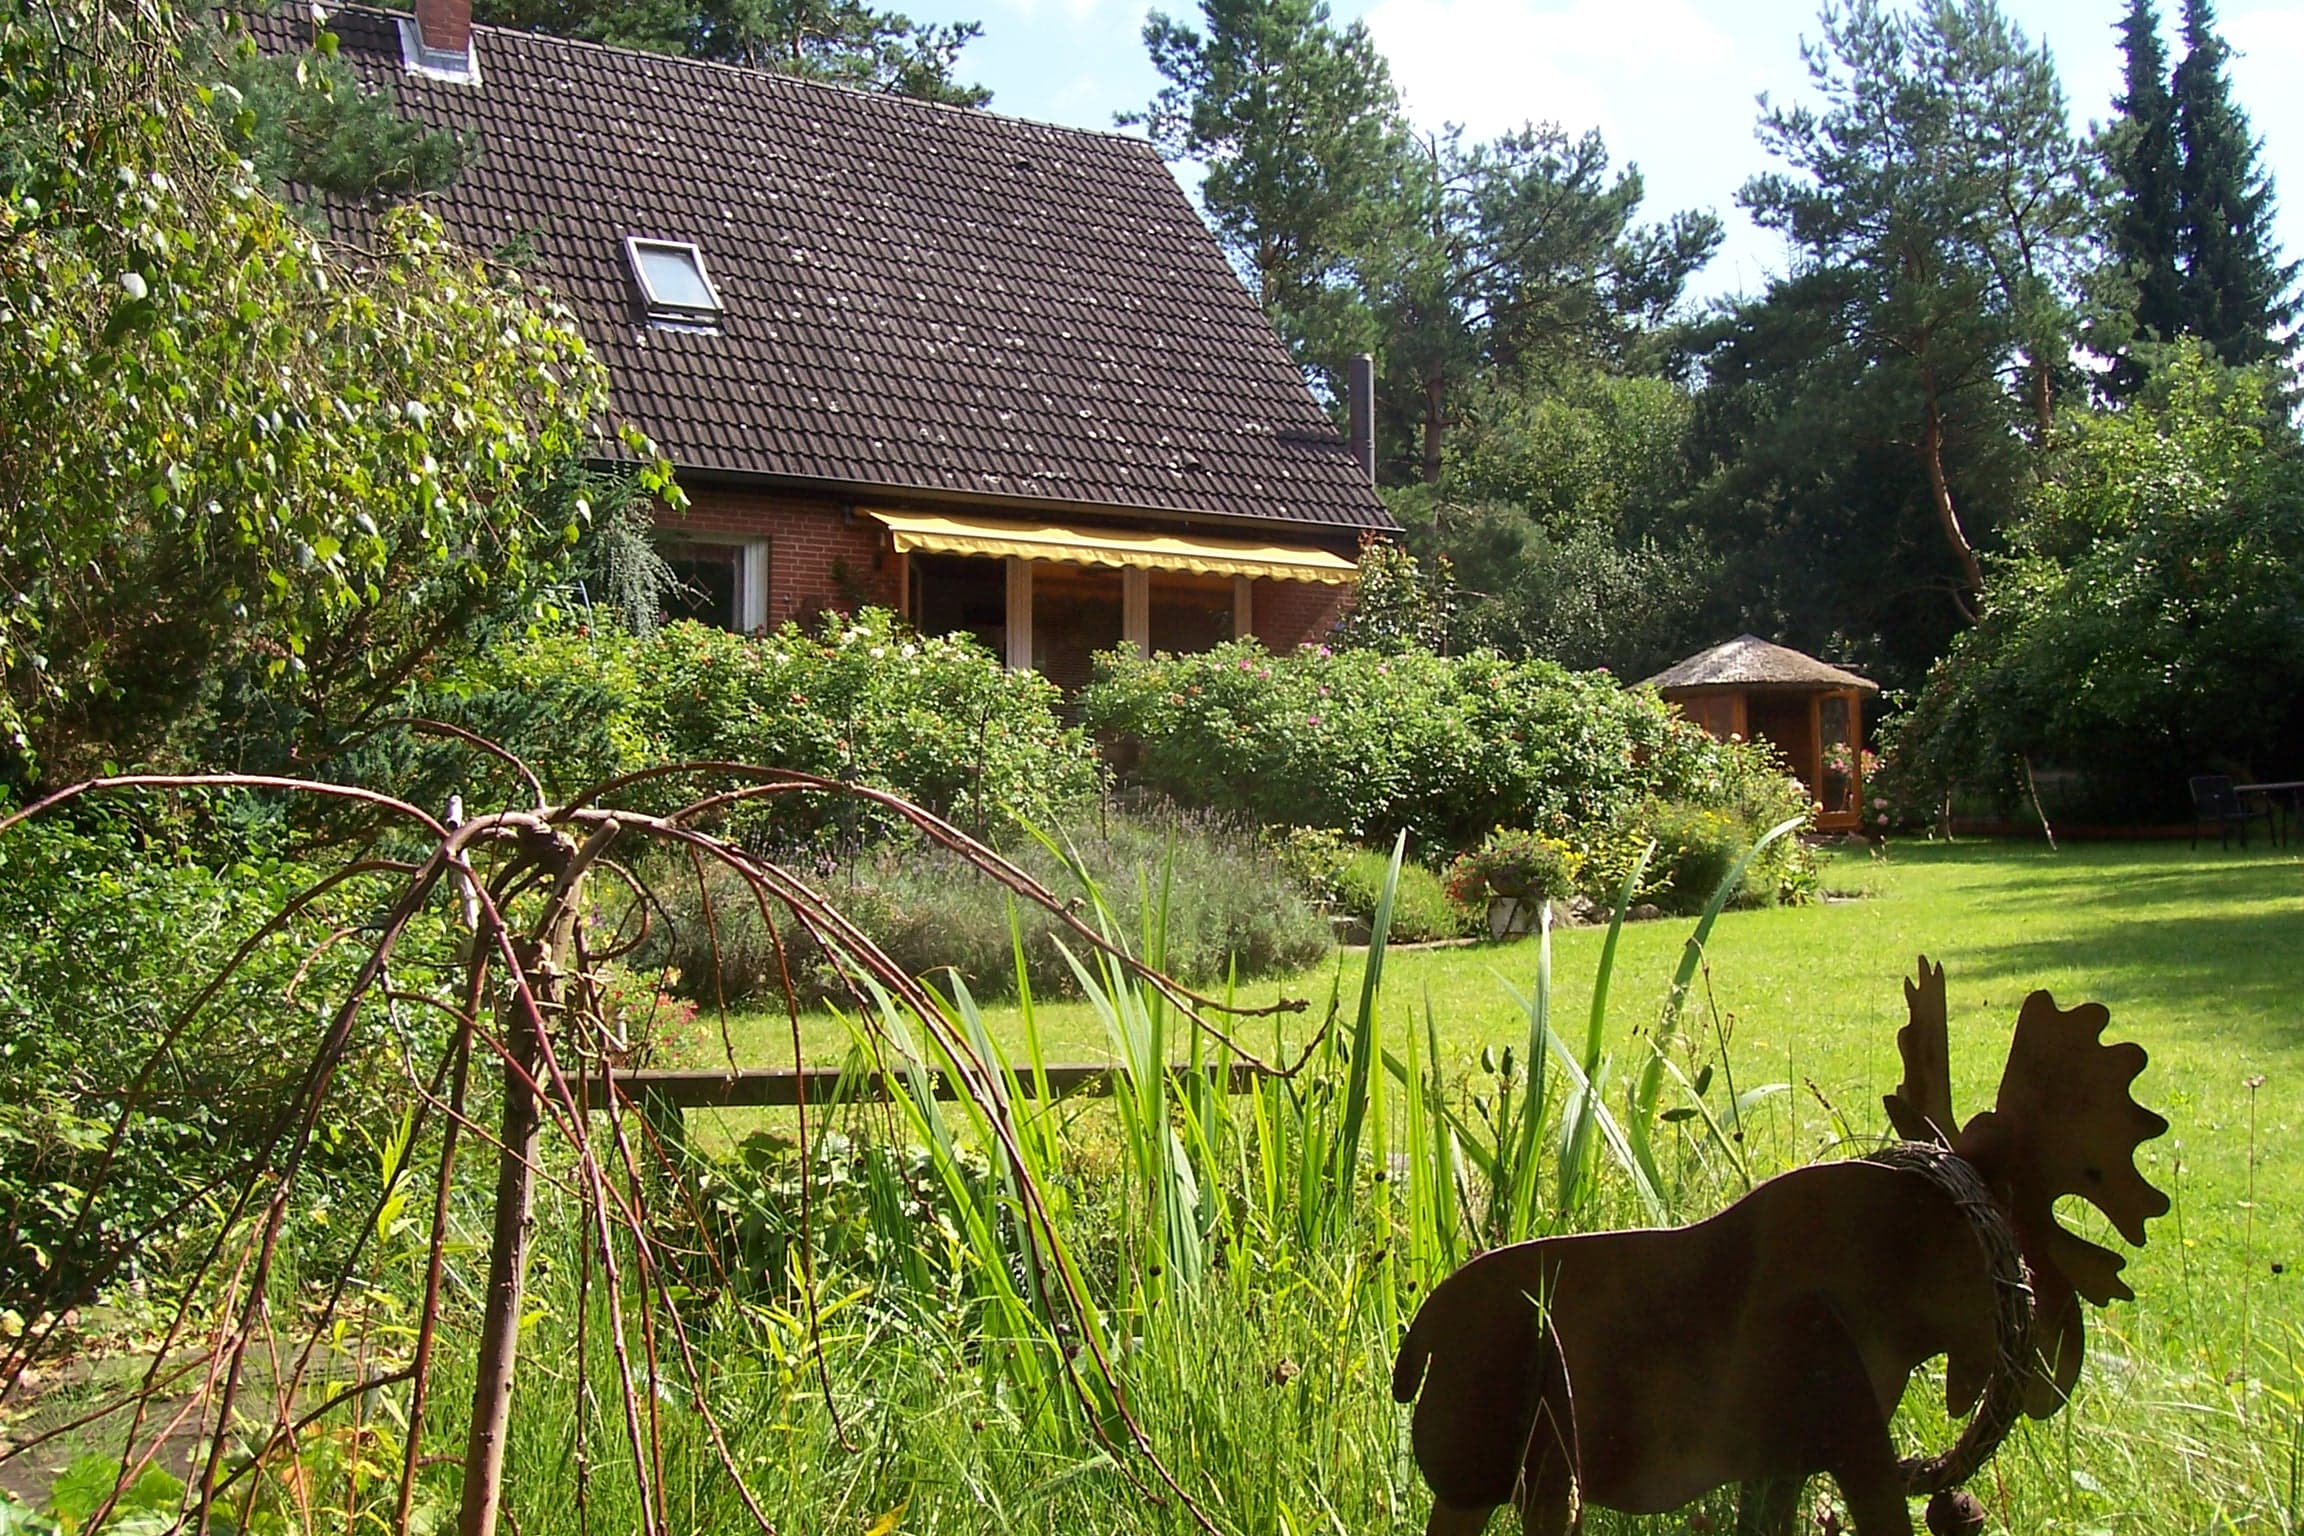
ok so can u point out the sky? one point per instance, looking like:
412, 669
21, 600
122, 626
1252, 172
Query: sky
1670, 84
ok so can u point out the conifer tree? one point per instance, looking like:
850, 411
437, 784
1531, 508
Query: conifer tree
1936, 204
846, 42
2141, 153
2237, 295
1296, 120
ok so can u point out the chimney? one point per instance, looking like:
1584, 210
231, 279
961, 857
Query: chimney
444, 26
1360, 404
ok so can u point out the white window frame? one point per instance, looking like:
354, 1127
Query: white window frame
662, 311
751, 573
436, 63
1243, 608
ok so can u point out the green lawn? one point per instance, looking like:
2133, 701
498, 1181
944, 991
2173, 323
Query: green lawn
2196, 954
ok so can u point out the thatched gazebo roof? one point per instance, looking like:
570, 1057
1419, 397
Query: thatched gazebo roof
1751, 662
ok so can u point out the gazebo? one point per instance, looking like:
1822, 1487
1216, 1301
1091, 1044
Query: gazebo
1809, 710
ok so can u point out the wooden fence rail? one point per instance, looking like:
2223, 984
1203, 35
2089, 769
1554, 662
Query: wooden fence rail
780, 1087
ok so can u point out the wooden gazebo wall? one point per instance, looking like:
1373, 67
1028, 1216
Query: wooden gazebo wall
1792, 717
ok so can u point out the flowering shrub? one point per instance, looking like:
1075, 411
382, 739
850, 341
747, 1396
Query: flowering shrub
1509, 862
938, 721
1368, 743
1747, 782
1312, 858
1842, 758
1905, 794
1696, 846
644, 1022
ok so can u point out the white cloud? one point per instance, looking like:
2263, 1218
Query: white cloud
1494, 64
1071, 14
1665, 85
2268, 37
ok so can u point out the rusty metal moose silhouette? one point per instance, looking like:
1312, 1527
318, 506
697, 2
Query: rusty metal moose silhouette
1639, 1370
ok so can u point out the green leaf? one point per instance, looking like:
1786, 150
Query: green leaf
83, 1488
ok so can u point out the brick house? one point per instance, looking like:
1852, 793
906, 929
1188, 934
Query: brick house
991, 373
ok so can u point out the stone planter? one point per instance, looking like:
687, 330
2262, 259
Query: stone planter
1511, 917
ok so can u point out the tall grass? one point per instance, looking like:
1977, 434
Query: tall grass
1247, 1261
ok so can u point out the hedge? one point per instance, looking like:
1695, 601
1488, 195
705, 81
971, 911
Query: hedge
1446, 748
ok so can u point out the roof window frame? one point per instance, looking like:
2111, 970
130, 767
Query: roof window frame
666, 313
452, 66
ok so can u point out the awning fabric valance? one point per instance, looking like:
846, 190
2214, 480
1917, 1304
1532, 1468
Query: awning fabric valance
939, 533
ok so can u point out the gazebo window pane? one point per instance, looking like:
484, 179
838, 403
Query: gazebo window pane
1835, 728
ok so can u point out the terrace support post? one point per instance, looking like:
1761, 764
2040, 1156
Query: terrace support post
545, 962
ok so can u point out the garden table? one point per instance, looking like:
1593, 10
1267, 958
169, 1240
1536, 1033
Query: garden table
2281, 796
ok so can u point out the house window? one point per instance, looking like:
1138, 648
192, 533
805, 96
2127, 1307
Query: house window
723, 583
961, 594
1189, 613
458, 65
674, 289
1076, 612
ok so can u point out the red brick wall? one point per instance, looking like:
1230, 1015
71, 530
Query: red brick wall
1293, 613
818, 558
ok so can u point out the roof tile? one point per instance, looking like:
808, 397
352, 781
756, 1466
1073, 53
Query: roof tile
917, 296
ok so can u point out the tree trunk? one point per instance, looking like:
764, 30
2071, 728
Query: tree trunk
544, 961
1940, 490
507, 1278
1435, 423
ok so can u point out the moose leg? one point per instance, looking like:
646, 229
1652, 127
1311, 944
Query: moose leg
1862, 1460
1549, 1505
1841, 1430
1766, 1506
1448, 1520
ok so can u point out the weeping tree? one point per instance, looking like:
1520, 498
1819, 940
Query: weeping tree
243, 459
483, 976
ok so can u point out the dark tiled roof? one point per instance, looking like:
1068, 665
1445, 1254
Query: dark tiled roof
917, 297
1751, 662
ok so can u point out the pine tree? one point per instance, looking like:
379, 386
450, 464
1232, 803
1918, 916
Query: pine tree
1935, 201
1300, 129
846, 42
2140, 152
2237, 296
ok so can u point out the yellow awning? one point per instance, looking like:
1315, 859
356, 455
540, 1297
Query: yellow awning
939, 533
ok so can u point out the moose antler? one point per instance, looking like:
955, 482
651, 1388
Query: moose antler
2066, 1124
1921, 1106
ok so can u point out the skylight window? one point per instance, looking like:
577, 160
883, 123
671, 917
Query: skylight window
673, 287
